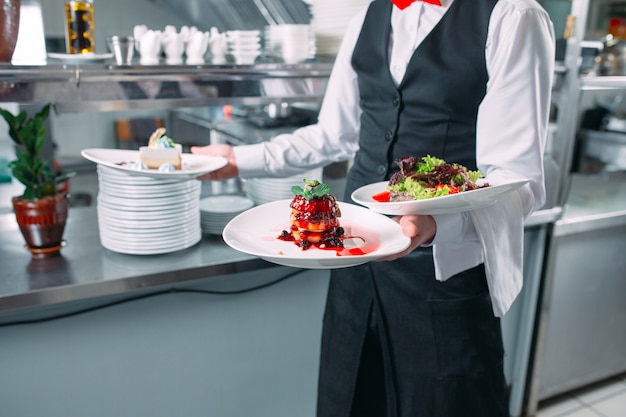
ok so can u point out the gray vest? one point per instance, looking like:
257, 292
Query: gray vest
434, 109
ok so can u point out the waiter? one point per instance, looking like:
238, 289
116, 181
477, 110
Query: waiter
467, 81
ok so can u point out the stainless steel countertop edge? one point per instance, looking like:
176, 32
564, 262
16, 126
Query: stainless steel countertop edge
155, 281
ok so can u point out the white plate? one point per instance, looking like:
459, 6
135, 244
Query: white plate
255, 232
193, 165
152, 209
225, 205
80, 58
453, 203
143, 249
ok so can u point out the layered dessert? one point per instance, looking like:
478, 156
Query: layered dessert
161, 153
314, 217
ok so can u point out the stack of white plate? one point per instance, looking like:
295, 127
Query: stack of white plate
290, 43
216, 211
140, 215
265, 190
244, 46
330, 19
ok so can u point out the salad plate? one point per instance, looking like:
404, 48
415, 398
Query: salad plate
80, 58
453, 203
122, 160
369, 236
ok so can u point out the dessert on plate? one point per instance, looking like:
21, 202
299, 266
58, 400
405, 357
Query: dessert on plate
314, 217
161, 153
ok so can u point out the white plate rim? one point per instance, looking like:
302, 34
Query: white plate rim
193, 165
89, 57
453, 203
262, 241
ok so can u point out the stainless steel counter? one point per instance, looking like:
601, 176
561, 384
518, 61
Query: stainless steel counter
580, 335
86, 270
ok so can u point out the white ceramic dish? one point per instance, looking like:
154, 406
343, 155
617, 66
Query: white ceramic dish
151, 209
454, 203
255, 232
225, 204
80, 58
120, 159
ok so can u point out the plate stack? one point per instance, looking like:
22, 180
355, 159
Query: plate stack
216, 211
330, 20
140, 215
265, 190
244, 46
290, 43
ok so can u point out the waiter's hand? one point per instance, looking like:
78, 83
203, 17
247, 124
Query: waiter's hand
421, 230
230, 170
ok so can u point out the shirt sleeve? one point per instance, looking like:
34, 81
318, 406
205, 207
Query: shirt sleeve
333, 138
512, 120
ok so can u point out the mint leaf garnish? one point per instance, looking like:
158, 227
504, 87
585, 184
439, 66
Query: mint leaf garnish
312, 189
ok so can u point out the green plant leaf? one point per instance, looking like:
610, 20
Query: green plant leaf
311, 189
28, 133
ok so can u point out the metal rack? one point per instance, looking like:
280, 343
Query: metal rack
102, 87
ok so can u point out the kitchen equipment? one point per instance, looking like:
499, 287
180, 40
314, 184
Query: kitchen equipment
612, 59
602, 151
123, 48
276, 110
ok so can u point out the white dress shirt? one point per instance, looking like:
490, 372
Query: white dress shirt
511, 132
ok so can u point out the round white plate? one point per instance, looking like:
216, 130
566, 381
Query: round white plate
80, 58
153, 210
115, 213
120, 159
116, 175
453, 203
142, 249
141, 194
255, 232
154, 239
225, 204
163, 202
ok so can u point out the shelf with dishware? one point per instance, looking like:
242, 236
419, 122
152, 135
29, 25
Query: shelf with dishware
106, 87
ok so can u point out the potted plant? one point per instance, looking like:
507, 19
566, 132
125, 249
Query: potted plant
41, 211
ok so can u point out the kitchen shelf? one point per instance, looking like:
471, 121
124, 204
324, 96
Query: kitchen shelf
603, 82
102, 87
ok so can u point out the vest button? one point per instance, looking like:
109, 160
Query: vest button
388, 135
395, 101
382, 169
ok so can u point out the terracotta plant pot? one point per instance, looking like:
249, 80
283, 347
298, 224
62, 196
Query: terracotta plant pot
42, 223
9, 26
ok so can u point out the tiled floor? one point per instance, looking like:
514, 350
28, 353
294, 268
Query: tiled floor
606, 399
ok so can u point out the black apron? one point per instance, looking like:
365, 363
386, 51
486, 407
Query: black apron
396, 342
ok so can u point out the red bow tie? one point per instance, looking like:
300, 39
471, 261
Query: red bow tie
402, 4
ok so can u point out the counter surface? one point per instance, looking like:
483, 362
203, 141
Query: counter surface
86, 270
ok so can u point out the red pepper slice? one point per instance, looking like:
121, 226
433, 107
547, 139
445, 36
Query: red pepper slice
382, 197
451, 188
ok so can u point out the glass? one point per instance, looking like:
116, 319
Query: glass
79, 31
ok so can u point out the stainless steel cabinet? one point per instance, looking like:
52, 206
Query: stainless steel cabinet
580, 336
